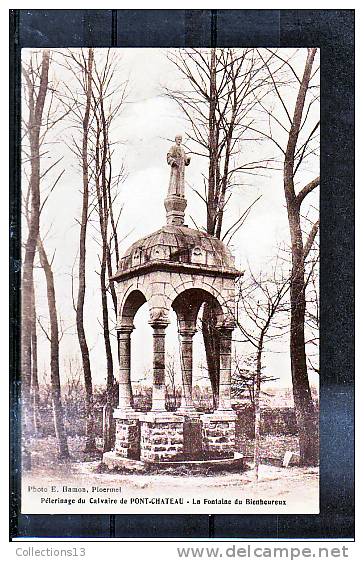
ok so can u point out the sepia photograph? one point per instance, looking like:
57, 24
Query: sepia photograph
170, 280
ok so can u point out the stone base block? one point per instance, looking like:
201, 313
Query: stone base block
127, 438
115, 462
192, 439
218, 434
161, 437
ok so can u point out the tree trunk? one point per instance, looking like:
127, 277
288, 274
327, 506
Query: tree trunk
258, 377
114, 237
305, 411
211, 339
36, 107
213, 144
34, 380
58, 415
90, 437
109, 360
103, 206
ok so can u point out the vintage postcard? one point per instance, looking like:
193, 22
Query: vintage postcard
170, 271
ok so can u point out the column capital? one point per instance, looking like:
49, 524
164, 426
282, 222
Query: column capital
226, 330
187, 331
125, 328
159, 324
159, 318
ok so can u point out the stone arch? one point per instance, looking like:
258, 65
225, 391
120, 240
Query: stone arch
188, 303
200, 283
131, 303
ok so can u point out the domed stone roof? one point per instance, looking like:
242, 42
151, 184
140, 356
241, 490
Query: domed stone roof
177, 246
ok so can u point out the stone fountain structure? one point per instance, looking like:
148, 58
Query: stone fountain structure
176, 268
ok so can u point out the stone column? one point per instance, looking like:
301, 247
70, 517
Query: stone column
186, 337
125, 396
225, 369
161, 433
159, 382
127, 426
218, 428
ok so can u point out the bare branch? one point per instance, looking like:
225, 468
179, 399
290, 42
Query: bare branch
306, 190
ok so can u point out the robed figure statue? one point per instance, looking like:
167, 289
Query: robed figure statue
177, 159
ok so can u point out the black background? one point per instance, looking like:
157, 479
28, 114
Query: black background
333, 32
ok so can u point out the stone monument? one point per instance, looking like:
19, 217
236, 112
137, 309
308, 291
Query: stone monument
175, 203
175, 269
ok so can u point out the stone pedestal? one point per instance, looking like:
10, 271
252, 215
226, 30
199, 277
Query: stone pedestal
192, 438
218, 434
161, 437
127, 437
175, 207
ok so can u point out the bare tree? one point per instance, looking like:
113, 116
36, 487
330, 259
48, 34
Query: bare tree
107, 101
42, 116
36, 79
78, 101
296, 137
87, 68
95, 102
261, 302
54, 361
243, 377
221, 89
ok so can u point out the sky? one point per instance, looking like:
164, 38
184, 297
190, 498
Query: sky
148, 123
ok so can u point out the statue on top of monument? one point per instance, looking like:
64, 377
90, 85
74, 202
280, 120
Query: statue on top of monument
177, 159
